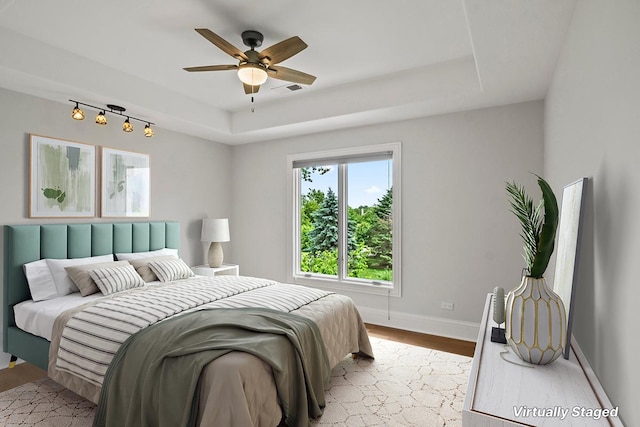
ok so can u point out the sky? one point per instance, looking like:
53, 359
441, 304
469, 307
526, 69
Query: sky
367, 182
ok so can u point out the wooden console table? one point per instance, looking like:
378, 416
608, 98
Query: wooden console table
505, 391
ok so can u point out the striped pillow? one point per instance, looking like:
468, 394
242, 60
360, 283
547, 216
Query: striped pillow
116, 279
171, 269
142, 266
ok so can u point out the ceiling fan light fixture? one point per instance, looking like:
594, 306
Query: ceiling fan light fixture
77, 113
252, 74
253, 66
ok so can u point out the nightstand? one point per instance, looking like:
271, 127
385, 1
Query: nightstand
224, 269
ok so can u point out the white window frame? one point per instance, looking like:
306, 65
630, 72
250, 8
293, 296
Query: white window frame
342, 283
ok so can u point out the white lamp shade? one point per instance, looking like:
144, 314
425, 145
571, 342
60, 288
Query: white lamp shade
252, 74
215, 230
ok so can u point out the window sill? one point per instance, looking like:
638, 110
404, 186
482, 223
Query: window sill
337, 286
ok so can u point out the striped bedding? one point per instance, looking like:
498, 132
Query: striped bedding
92, 336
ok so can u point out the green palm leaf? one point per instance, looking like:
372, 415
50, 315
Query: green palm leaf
546, 242
538, 230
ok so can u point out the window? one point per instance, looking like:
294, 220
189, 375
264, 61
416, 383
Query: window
345, 219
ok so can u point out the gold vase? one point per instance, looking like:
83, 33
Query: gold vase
536, 321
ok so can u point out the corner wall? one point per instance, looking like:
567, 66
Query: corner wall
459, 238
592, 129
189, 176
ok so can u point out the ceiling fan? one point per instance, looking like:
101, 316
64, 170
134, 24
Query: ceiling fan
254, 67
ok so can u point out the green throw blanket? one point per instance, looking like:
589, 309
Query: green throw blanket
153, 378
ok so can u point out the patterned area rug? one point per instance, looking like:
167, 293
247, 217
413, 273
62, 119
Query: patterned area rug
404, 386
44, 403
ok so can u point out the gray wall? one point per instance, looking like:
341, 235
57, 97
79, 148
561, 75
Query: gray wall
189, 176
592, 129
459, 239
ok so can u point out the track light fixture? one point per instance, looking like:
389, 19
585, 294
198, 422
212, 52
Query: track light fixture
101, 118
127, 126
77, 113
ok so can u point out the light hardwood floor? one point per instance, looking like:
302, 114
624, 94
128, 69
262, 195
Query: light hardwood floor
25, 372
21, 374
450, 345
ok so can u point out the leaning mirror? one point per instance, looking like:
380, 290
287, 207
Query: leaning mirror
568, 247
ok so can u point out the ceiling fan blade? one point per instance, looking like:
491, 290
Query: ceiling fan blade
212, 68
283, 50
224, 45
290, 75
249, 90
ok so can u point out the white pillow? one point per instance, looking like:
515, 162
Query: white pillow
64, 284
116, 279
140, 255
171, 269
40, 279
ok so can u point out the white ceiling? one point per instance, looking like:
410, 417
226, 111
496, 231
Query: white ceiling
375, 60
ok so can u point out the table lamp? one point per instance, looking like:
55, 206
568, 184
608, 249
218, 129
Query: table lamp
215, 230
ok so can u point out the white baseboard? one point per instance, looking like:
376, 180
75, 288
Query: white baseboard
460, 330
4, 357
4, 360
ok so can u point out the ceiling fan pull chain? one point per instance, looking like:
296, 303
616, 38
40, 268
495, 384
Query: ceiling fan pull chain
252, 109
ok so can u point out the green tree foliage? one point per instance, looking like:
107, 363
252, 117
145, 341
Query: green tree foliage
383, 209
325, 262
311, 202
358, 262
369, 236
324, 235
381, 244
307, 172
379, 235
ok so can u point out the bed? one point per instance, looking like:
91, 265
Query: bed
253, 397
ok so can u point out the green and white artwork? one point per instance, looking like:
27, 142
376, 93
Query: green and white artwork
62, 178
125, 184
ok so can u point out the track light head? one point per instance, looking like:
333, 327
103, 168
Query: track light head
148, 132
101, 119
77, 113
127, 126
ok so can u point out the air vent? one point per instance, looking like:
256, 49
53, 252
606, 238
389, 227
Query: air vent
288, 88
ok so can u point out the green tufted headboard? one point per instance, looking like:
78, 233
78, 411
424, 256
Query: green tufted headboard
26, 243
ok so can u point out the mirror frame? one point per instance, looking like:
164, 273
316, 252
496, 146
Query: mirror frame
568, 250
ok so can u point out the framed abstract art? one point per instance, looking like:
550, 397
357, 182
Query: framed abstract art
125, 188
62, 178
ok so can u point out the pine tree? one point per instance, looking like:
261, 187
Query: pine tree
324, 236
383, 208
379, 235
